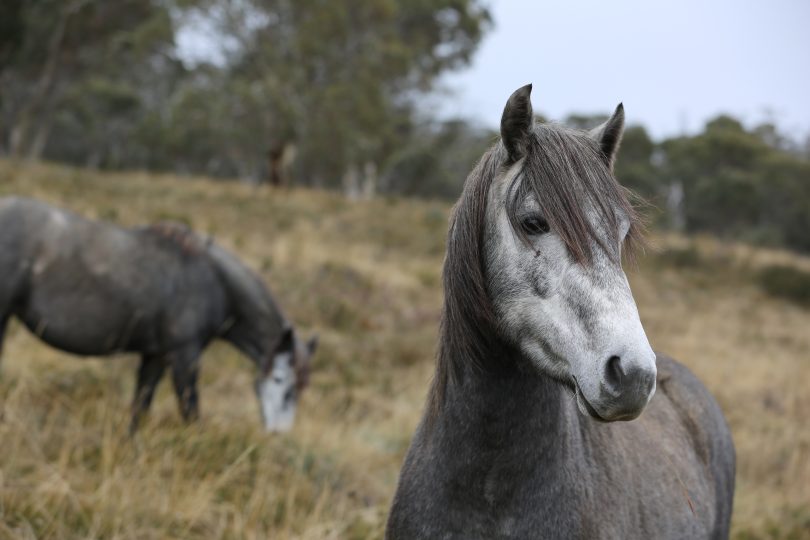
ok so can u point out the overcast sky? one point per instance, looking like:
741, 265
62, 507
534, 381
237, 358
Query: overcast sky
673, 63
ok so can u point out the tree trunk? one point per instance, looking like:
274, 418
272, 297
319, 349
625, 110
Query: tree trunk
279, 159
351, 183
369, 180
40, 138
28, 136
675, 206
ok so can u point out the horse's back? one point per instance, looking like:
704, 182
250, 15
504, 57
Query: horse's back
92, 287
28, 225
25, 210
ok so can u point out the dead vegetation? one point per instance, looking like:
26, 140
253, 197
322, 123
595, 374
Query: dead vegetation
366, 277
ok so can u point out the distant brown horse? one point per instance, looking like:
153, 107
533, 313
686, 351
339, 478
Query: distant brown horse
93, 288
543, 366
279, 157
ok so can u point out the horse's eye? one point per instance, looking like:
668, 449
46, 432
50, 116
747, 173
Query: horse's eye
534, 225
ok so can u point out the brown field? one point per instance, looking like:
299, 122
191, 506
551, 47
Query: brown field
365, 276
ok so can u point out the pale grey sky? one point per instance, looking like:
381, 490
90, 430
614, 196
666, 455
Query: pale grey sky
673, 63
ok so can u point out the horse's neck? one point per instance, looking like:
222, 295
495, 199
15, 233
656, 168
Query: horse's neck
252, 331
490, 418
257, 320
244, 334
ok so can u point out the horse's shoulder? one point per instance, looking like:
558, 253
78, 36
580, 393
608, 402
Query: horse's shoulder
671, 371
679, 384
696, 408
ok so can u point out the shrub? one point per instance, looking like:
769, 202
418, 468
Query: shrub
786, 282
681, 257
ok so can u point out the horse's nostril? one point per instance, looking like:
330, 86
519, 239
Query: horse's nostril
614, 372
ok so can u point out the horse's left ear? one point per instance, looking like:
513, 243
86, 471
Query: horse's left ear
312, 344
609, 135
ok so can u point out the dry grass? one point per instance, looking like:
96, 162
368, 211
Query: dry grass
366, 277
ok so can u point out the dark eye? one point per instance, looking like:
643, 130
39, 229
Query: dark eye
534, 225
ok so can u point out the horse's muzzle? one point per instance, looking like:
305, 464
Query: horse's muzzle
623, 391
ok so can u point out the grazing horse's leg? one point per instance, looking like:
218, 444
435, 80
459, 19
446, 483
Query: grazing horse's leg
185, 369
149, 374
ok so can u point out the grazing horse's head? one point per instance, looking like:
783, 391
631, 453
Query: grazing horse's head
283, 380
555, 224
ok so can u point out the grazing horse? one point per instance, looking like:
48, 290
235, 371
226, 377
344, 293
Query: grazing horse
543, 363
92, 288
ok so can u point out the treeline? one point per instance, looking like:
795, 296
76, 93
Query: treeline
323, 92
751, 185
328, 94
745, 184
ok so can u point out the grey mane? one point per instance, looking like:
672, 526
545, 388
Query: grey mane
247, 288
251, 295
178, 236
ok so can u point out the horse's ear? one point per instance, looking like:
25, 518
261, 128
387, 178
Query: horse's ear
516, 123
312, 344
609, 135
286, 343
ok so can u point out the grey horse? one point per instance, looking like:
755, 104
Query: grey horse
543, 363
93, 288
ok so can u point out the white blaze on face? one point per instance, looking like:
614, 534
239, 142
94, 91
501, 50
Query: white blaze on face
276, 393
568, 318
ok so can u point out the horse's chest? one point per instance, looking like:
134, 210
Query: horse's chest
511, 495
532, 504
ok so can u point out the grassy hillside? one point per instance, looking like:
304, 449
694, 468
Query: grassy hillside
365, 276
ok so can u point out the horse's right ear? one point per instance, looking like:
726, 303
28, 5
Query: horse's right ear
609, 135
516, 123
312, 344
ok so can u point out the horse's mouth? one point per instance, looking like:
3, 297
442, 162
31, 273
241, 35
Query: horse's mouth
584, 406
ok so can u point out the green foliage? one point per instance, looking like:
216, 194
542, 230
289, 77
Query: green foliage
101, 83
66, 57
634, 164
786, 282
738, 185
437, 160
688, 257
585, 121
338, 79
11, 29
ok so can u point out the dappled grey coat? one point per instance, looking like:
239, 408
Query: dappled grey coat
93, 288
